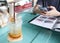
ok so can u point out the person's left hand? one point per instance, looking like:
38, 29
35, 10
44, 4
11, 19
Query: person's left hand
52, 12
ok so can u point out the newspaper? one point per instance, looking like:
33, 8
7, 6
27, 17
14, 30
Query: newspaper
47, 22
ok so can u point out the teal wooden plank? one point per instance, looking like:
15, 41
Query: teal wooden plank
4, 38
3, 30
43, 36
47, 36
27, 16
55, 38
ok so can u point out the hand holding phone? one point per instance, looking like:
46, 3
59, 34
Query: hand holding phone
44, 9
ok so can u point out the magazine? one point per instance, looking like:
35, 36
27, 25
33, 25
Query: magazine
47, 22
57, 25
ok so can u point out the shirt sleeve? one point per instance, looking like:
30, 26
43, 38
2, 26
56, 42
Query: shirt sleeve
39, 2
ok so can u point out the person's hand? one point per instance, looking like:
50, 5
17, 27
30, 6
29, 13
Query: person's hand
52, 12
37, 10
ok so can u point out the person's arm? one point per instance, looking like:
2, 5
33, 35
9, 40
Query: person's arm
52, 12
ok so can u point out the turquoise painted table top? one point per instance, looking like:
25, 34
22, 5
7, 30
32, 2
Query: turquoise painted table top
32, 33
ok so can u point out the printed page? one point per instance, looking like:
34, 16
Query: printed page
44, 21
57, 25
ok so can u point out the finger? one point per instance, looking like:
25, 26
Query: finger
43, 12
47, 15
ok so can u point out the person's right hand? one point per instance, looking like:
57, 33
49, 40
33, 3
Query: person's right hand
37, 10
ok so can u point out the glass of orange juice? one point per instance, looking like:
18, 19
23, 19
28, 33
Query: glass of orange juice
15, 32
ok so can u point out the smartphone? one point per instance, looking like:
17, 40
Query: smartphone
44, 8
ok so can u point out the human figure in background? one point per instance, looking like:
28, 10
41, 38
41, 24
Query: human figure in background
53, 4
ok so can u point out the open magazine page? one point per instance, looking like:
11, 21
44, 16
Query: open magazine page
57, 25
44, 21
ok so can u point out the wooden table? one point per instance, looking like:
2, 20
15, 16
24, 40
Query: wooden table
32, 33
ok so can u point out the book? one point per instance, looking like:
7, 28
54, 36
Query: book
49, 22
